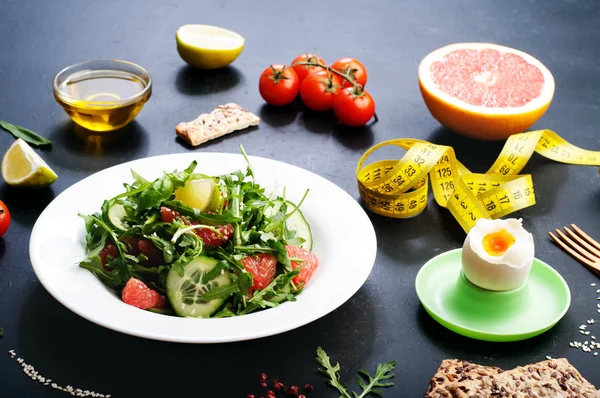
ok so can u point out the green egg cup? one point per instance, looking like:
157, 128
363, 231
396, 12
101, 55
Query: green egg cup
519, 314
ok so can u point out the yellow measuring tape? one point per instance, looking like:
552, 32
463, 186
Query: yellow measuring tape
399, 188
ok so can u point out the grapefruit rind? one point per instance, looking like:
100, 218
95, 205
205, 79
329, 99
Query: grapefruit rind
482, 122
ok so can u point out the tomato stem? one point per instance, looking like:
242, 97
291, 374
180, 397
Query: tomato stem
345, 76
357, 88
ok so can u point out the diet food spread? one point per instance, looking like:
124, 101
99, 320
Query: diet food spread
199, 246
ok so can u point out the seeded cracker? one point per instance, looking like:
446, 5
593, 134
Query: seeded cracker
552, 378
223, 120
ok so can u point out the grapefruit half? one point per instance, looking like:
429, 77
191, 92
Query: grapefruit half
485, 91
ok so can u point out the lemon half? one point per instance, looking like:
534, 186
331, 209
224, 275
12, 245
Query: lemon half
21, 166
208, 47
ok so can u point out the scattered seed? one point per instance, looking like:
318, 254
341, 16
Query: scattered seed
582, 327
34, 375
548, 357
592, 284
596, 354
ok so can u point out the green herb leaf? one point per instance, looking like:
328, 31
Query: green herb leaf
216, 271
332, 371
198, 216
221, 292
363, 379
25, 134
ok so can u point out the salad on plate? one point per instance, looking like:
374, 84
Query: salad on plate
200, 246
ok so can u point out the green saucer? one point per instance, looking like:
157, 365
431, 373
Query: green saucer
482, 314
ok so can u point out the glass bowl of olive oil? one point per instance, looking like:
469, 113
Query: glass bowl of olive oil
103, 95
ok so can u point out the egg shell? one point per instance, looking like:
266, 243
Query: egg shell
496, 275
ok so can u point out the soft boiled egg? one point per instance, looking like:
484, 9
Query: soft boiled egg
498, 254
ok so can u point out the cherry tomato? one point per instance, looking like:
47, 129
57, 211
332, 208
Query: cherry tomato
278, 85
318, 90
210, 238
4, 218
304, 70
351, 66
108, 252
353, 109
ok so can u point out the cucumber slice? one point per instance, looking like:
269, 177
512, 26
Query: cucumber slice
116, 215
185, 293
296, 222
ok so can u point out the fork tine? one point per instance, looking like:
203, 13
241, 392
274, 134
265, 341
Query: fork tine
582, 242
572, 252
575, 246
586, 236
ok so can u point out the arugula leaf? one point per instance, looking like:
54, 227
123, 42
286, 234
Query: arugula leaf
381, 373
275, 288
198, 216
94, 265
216, 271
224, 313
332, 371
25, 134
364, 380
223, 291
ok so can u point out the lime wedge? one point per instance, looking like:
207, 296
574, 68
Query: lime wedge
202, 194
21, 166
208, 47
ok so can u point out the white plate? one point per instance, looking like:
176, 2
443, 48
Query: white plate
343, 239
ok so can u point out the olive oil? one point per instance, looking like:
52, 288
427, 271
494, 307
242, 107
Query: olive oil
102, 100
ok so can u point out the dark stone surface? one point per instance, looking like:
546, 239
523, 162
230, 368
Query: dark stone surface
384, 320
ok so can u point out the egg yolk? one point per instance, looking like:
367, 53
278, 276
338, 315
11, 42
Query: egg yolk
497, 243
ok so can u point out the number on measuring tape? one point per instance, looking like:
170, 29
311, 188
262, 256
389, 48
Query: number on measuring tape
400, 188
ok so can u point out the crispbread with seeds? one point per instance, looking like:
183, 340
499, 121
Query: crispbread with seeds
551, 378
223, 120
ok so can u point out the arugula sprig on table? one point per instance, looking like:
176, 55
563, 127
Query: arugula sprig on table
367, 383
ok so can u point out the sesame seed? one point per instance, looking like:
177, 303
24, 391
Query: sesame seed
593, 337
30, 371
592, 284
587, 333
581, 331
598, 291
596, 354
582, 327
548, 357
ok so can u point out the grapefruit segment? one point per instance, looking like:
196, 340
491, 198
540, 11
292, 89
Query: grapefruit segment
138, 294
485, 91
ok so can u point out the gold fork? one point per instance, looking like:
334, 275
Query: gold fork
586, 249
